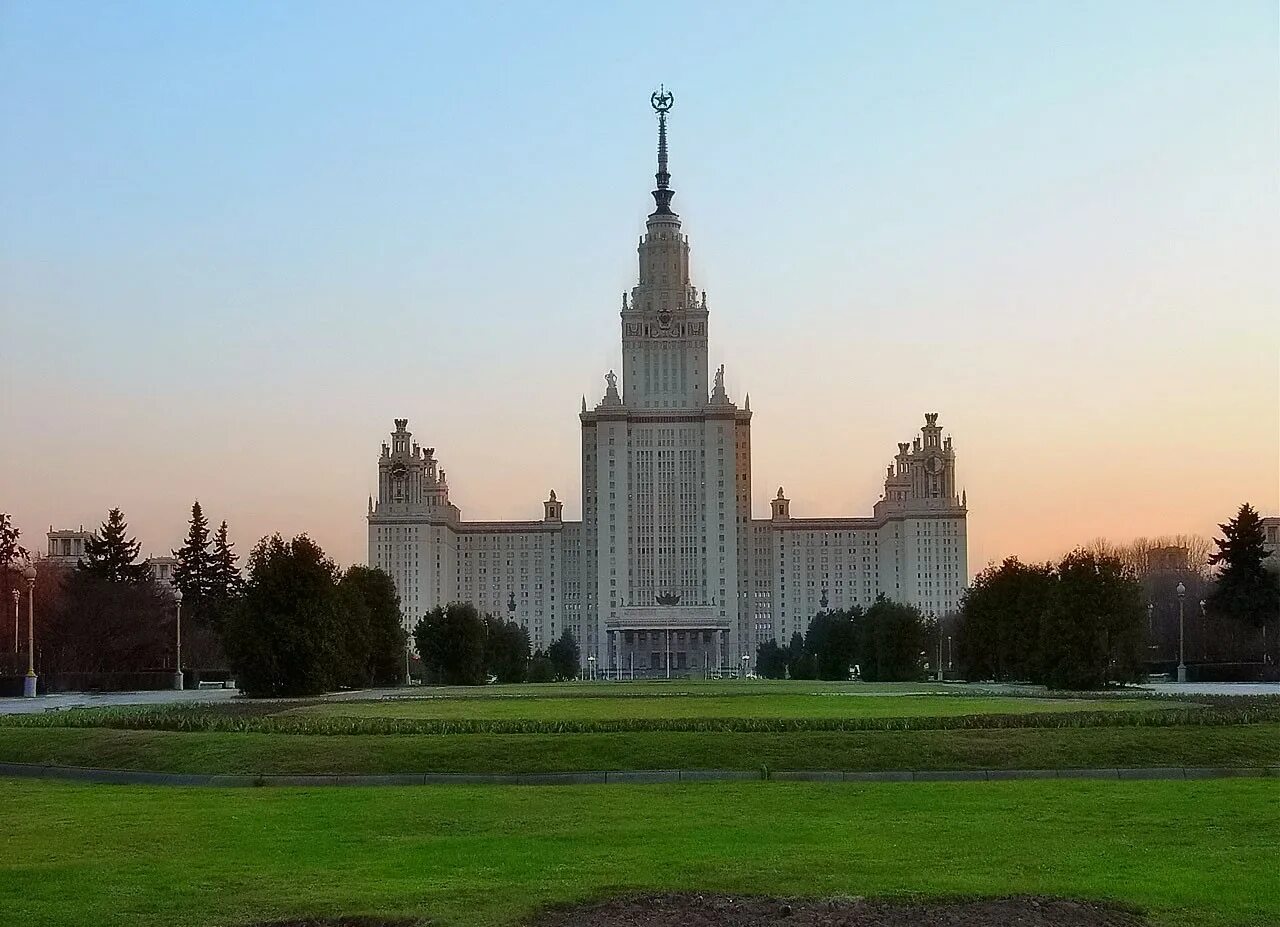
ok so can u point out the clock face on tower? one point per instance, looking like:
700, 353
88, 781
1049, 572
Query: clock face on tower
397, 471
934, 465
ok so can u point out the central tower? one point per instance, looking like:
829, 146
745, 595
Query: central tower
664, 325
665, 474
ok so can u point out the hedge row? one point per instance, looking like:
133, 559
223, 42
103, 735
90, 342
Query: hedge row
198, 720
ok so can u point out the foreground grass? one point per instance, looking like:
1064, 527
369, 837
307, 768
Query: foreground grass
741, 704
1018, 748
1190, 853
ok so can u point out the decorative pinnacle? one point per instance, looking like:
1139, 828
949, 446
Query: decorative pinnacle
662, 100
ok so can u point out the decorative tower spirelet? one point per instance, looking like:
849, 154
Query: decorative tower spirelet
662, 101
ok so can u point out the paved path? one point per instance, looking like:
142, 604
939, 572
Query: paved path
1213, 688
628, 777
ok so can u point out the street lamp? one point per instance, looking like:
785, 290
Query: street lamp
1182, 660
177, 640
29, 682
17, 594
746, 660
591, 666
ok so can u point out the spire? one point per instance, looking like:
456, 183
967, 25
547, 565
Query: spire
661, 101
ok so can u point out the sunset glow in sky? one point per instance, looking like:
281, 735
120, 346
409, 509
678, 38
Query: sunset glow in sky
238, 239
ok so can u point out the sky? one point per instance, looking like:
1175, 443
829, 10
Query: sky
237, 239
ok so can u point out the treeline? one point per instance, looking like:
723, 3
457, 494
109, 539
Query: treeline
460, 647
1085, 621
885, 643
294, 625
1077, 624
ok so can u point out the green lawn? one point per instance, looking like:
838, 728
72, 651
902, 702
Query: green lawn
741, 704
1194, 854
1017, 748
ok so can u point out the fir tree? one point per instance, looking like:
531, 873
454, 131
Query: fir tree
112, 556
195, 570
227, 582
1246, 591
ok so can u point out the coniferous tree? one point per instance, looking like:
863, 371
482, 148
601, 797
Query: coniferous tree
227, 581
771, 660
800, 663
194, 572
565, 656
374, 638
1245, 591
112, 556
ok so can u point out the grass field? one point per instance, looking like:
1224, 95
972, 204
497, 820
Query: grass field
695, 704
1019, 748
1191, 853
711, 725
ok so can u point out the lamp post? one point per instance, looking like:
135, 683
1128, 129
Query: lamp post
1182, 657
29, 682
177, 639
1204, 633
591, 667
746, 664
17, 594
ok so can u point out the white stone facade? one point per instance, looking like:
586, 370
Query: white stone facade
666, 512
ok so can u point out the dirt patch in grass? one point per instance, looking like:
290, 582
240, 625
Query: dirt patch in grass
690, 910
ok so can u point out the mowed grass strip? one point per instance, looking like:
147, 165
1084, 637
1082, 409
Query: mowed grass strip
1245, 745
1189, 853
371, 718
772, 706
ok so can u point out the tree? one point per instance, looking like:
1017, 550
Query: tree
1092, 631
226, 583
890, 640
832, 641
800, 664
998, 635
12, 555
374, 639
565, 656
194, 571
286, 635
111, 555
771, 660
92, 624
1245, 591
506, 650
541, 668
451, 641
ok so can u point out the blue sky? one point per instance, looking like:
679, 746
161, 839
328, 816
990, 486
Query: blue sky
237, 239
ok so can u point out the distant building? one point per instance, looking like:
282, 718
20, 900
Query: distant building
162, 569
668, 565
1172, 559
1271, 540
67, 546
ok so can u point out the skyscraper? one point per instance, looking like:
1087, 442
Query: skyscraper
668, 572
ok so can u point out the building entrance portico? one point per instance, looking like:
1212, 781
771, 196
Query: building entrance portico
666, 641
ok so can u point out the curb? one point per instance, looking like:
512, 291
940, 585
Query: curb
624, 777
